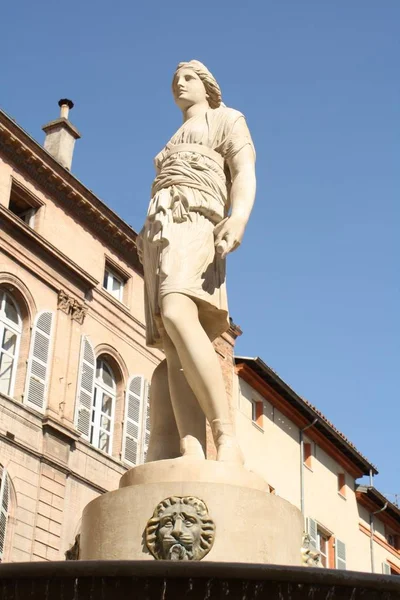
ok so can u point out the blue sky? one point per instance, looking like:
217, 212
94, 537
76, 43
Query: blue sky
315, 285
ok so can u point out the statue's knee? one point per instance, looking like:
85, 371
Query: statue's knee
171, 316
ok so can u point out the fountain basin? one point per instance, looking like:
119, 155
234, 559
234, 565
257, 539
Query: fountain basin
165, 580
251, 525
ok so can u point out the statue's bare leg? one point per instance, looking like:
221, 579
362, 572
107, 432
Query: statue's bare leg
164, 436
202, 370
172, 436
189, 416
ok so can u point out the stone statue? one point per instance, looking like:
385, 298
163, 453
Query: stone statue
180, 529
201, 201
202, 197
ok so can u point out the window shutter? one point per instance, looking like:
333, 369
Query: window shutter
386, 569
340, 551
85, 392
4, 501
132, 428
146, 423
39, 362
312, 532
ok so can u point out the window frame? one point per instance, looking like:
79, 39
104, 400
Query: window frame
308, 455
316, 531
100, 388
341, 484
109, 276
392, 539
254, 410
323, 535
257, 412
32, 202
7, 324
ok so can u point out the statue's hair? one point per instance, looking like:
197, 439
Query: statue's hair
207, 525
213, 90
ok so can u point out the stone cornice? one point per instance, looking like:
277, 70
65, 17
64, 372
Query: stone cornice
68, 434
67, 190
17, 224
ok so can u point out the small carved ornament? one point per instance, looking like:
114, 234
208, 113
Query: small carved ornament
73, 552
64, 302
180, 529
72, 307
78, 312
310, 556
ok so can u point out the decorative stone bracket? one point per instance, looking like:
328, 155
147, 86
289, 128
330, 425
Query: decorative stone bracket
310, 556
72, 307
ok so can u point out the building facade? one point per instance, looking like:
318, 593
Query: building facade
307, 461
74, 366
75, 372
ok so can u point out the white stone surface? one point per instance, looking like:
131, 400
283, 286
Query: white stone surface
251, 526
200, 471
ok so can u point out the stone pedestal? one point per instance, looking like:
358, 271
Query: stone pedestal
249, 525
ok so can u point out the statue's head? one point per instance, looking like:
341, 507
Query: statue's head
180, 529
193, 83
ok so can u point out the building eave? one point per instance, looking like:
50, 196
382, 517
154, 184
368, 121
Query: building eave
373, 500
362, 466
375, 503
40, 166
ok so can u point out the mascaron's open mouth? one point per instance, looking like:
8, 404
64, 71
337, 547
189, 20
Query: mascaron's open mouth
179, 551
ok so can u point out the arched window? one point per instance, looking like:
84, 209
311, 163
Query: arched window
10, 335
103, 407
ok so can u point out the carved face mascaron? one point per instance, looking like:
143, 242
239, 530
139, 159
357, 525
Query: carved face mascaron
180, 529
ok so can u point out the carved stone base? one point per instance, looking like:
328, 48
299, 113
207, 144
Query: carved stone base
224, 507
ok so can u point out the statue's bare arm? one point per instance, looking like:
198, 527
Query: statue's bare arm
230, 232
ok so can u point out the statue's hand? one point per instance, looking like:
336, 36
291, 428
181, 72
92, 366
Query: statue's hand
229, 234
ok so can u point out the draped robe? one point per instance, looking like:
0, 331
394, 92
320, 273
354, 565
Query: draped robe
190, 195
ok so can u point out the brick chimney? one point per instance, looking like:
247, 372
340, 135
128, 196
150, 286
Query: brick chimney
61, 135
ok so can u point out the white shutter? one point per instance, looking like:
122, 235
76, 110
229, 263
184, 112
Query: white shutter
312, 531
145, 423
4, 500
85, 391
133, 419
39, 362
340, 552
386, 569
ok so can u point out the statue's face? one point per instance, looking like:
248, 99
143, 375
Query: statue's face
179, 532
188, 88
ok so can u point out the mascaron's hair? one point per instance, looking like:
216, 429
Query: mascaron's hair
207, 525
210, 83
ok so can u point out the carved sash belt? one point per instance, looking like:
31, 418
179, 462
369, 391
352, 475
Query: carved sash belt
199, 149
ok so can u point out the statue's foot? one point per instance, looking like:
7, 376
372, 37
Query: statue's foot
228, 449
191, 448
